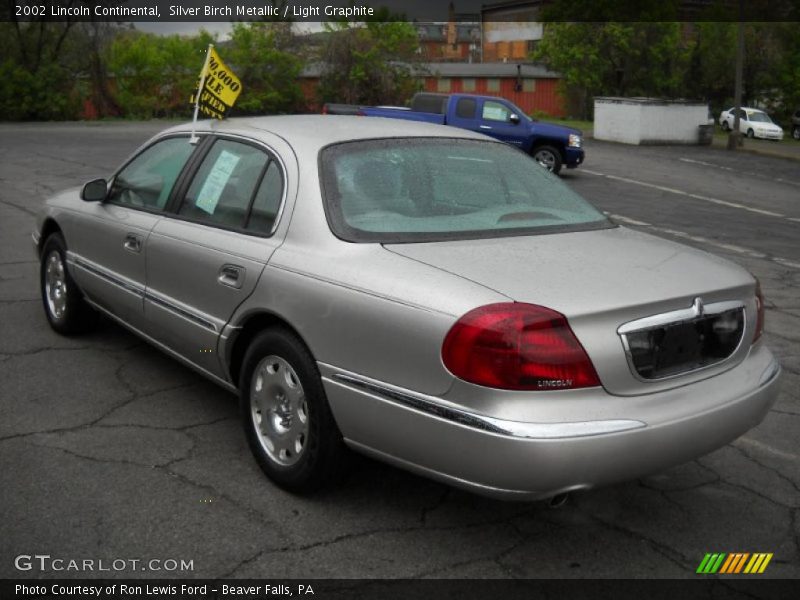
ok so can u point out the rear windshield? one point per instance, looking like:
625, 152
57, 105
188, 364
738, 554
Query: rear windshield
435, 189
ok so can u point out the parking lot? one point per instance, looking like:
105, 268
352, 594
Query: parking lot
110, 450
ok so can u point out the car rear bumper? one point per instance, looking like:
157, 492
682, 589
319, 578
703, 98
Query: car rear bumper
527, 461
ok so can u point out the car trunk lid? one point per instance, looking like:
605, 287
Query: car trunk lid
602, 280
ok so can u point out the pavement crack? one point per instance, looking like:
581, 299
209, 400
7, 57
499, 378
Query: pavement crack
28, 211
671, 554
246, 561
48, 349
754, 492
769, 468
436, 505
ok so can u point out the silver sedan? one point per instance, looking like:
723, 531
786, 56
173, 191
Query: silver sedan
424, 295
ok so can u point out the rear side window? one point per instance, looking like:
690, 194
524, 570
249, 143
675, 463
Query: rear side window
146, 181
465, 109
267, 202
223, 187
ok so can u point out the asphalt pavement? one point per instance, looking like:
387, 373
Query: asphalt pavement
110, 450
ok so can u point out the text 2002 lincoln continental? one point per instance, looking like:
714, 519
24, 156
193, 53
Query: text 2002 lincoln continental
428, 296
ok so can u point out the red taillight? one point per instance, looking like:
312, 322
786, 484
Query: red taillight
759, 312
515, 346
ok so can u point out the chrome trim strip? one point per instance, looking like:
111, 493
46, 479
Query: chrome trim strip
676, 316
186, 314
698, 309
127, 285
436, 408
140, 291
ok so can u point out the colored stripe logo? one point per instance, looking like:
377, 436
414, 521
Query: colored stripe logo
735, 562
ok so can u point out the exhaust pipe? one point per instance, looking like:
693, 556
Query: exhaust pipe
558, 500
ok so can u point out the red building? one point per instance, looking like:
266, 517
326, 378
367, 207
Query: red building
531, 87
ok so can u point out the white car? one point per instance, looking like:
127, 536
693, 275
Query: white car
753, 122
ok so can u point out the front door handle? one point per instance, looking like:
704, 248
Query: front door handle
231, 275
132, 243
484, 126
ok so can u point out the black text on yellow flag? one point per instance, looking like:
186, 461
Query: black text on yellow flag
218, 87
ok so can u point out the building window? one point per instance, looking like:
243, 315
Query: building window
468, 84
493, 84
443, 84
528, 85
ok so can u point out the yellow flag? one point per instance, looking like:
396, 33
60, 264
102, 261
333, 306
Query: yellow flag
218, 87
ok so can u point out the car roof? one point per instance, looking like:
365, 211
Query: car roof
321, 130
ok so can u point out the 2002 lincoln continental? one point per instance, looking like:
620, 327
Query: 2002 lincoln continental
425, 295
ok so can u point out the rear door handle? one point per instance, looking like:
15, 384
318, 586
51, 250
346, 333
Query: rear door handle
231, 275
132, 243
484, 126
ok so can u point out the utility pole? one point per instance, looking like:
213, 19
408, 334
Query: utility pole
735, 136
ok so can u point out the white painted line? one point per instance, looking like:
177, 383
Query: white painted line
766, 448
787, 263
630, 221
703, 240
670, 190
724, 168
704, 163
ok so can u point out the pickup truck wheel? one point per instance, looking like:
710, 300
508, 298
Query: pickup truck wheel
549, 157
66, 310
287, 421
796, 132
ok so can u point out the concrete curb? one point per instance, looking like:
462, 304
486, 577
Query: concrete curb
794, 156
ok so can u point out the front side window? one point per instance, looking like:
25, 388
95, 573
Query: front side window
494, 111
431, 189
223, 187
147, 181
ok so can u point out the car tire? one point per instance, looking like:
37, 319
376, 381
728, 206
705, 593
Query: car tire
549, 157
285, 413
725, 126
64, 305
751, 134
796, 132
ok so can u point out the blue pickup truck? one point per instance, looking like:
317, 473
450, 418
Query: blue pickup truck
552, 146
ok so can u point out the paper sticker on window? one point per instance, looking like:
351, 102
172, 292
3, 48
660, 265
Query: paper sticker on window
216, 181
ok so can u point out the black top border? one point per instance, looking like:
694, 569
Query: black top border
438, 11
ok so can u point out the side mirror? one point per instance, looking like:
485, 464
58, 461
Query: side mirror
95, 191
513, 118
